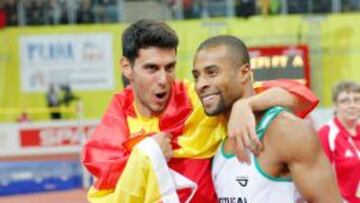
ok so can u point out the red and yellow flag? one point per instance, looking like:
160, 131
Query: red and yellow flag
140, 176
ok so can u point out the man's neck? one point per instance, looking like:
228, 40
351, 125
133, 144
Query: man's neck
248, 92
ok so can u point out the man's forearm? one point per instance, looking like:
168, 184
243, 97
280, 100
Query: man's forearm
273, 97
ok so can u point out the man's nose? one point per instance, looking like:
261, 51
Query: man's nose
162, 77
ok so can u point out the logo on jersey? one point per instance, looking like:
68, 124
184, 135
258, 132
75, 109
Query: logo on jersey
242, 180
348, 154
233, 200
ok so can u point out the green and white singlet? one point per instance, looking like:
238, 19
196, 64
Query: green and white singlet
237, 182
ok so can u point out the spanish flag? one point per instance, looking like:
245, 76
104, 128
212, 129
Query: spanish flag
128, 165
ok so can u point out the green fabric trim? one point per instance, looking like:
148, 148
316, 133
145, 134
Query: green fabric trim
267, 118
270, 177
261, 128
226, 155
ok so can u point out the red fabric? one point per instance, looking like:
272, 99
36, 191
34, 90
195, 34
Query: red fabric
308, 99
324, 136
2, 18
104, 154
199, 171
343, 157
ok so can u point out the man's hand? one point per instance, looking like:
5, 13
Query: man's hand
164, 141
241, 127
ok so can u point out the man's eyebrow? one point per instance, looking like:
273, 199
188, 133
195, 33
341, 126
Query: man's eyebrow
150, 64
173, 63
209, 67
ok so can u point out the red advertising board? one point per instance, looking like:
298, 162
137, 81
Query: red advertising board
52, 136
274, 62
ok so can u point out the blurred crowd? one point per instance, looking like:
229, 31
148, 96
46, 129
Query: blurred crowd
49, 12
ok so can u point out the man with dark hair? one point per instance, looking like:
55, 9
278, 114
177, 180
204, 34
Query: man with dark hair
340, 138
154, 143
292, 154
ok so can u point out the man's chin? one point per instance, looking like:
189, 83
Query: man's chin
158, 109
214, 112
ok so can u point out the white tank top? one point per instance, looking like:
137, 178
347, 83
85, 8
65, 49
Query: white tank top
241, 183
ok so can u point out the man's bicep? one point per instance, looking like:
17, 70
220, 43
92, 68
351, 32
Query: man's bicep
319, 175
311, 170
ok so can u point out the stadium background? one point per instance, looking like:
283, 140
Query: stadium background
334, 43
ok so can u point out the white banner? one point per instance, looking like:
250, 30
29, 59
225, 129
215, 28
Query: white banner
83, 61
44, 138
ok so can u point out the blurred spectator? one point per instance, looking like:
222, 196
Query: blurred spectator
23, 118
85, 13
340, 139
106, 11
53, 101
190, 8
264, 6
245, 8
54, 12
350, 5
35, 12
10, 7
275, 6
2, 16
322, 6
298, 6
68, 95
216, 8
64, 19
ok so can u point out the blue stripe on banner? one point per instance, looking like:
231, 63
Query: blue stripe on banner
28, 177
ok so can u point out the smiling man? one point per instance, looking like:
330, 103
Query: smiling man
154, 143
292, 160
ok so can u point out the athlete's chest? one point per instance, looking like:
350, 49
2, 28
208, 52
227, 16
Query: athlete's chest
234, 177
238, 182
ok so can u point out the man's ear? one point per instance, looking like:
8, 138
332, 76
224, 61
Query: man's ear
245, 73
126, 67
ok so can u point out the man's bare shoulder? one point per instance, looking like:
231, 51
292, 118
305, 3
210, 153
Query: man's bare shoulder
292, 136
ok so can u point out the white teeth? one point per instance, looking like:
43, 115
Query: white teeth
209, 97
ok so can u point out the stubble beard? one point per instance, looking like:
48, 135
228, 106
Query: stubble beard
219, 109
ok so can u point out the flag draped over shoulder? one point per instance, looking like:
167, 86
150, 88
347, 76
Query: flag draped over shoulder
119, 139
104, 154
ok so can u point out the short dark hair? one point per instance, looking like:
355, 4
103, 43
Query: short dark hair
147, 33
236, 46
344, 86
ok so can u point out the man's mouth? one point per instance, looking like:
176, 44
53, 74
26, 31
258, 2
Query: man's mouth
209, 97
160, 96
